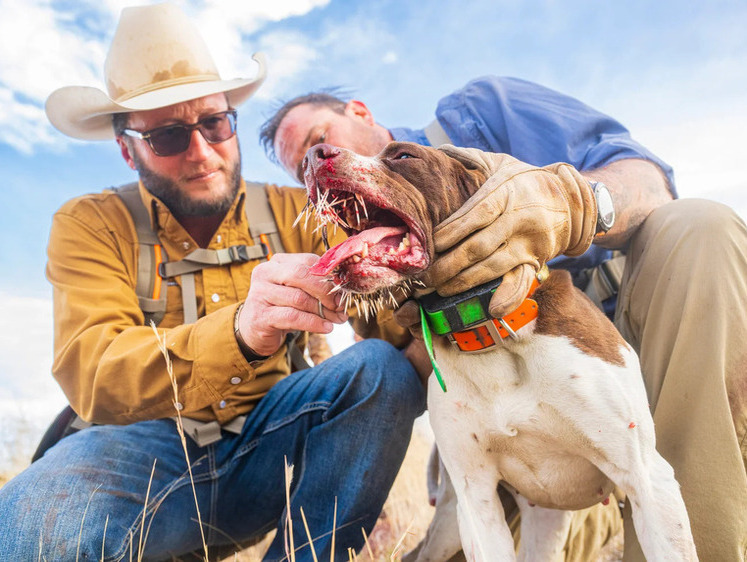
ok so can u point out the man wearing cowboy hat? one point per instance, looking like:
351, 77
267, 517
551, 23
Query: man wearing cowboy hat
122, 486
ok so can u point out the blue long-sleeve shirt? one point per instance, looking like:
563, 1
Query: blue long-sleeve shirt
538, 126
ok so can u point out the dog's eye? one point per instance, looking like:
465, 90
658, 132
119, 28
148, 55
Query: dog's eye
402, 156
322, 138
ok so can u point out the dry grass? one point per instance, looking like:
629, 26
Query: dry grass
406, 513
17, 444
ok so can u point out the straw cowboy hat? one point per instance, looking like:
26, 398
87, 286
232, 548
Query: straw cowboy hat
157, 58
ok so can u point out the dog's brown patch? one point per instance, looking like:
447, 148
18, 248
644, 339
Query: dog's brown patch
566, 311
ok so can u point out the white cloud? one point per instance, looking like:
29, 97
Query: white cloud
29, 396
39, 51
706, 150
26, 345
22, 125
288, 55
389, 57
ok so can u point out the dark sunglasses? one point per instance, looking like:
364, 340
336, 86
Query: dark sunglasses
174, 139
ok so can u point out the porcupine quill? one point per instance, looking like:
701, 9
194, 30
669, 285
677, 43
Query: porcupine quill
368, 304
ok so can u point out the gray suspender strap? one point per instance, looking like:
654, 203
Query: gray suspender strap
436, 135
198, 260
604, 280
149, 245
205, 433
262, 228
189, 298
201, 258
262, 225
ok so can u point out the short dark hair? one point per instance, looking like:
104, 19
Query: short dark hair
325, 98
120, 122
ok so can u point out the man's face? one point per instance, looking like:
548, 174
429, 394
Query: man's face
204, 179
306, 125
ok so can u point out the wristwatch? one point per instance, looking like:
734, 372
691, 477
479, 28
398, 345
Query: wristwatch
605, 207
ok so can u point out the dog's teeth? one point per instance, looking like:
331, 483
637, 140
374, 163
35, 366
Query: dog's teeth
364, 252
406, 240
401, 247
356, 258
391, 251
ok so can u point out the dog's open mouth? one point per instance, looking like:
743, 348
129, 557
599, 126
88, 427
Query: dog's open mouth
384, 245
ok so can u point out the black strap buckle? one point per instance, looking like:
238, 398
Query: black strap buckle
238, 253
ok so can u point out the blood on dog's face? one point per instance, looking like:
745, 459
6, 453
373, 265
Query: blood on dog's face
388, 205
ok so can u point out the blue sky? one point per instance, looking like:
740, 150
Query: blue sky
674, 73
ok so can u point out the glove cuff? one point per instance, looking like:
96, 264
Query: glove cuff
582, 209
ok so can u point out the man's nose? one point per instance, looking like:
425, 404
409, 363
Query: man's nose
199, 149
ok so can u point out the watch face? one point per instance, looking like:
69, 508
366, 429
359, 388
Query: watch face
605, 207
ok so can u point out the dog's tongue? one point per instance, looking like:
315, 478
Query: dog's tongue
353, 245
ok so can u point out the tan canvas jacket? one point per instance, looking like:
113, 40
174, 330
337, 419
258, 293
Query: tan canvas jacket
108, 363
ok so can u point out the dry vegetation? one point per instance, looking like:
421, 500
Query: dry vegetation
405, 517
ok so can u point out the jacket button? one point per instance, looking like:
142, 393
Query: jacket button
215, 297
235, 380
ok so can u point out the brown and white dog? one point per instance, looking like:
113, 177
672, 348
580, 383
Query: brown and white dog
558, 415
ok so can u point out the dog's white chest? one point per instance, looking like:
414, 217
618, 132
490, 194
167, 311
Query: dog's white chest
524, 410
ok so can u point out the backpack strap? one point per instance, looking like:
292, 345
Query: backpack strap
264, 231
262, 225
153, 264
154, 267
149, 287
435, 134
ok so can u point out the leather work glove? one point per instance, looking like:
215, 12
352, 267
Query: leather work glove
519, 219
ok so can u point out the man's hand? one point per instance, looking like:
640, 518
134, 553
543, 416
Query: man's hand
519, 219
284, 297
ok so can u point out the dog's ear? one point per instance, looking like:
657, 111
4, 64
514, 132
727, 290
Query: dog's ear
473, 179
475, 171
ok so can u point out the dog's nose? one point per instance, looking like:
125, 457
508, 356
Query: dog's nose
322, 152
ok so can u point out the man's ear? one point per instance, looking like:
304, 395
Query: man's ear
124, 148
358, 110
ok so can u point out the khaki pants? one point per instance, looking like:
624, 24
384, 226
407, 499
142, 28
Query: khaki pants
683, 307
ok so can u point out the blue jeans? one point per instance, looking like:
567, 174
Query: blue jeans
344, 426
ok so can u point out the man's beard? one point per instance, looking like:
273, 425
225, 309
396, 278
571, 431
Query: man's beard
180, 204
